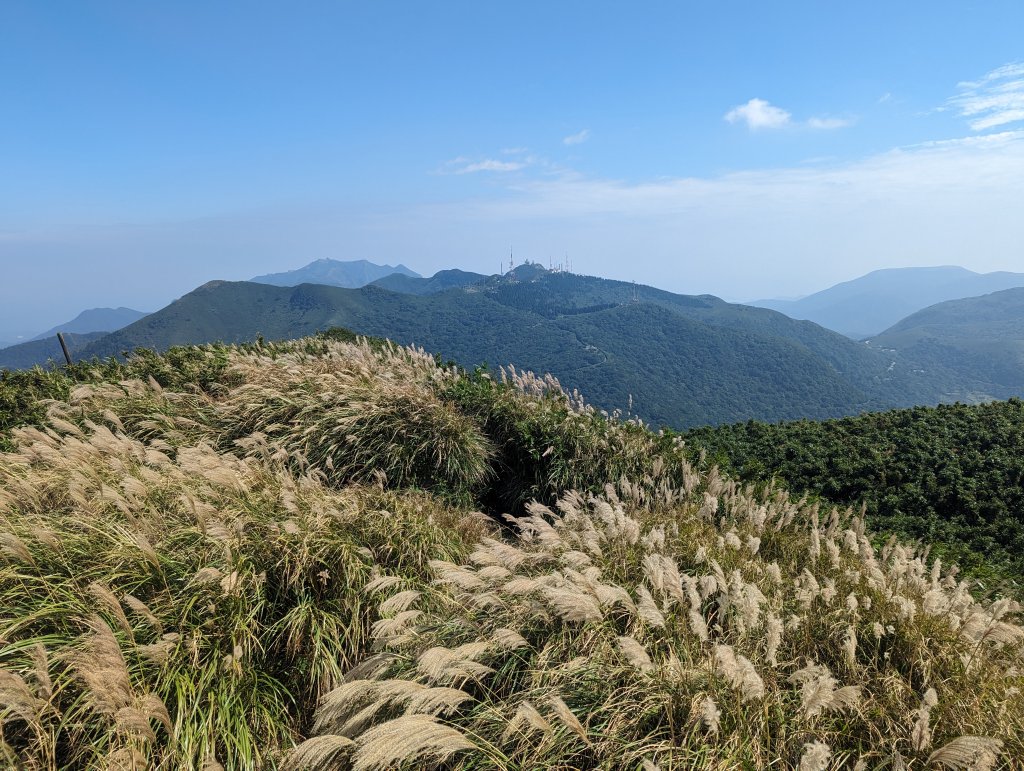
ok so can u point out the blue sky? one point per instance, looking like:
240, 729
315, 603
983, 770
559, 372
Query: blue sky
747, 149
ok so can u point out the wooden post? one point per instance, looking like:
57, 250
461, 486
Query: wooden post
64, 347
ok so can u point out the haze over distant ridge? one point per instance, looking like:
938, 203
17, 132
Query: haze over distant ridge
350, 274
95, 320
874, 302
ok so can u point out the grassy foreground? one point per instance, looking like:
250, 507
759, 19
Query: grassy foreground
273, 557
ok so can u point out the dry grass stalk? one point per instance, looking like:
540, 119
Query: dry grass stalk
566, 717
974, 753
740, 673
635, 654
406, 740
319, 752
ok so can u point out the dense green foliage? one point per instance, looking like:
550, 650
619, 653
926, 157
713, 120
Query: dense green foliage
952, 475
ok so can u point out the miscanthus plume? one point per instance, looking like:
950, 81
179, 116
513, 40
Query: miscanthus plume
285, 564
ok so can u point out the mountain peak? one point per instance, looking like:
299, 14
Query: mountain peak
95, 320
528, 271
350, 274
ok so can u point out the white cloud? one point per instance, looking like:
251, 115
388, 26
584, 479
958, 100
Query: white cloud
828, 123
759, 114
796, 229
578, 138
997, 99
465, 166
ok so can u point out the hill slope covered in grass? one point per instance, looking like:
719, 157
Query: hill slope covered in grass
274, 556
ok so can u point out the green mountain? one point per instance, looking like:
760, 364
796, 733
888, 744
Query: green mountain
26, 355
680, 360
95, 320
443, 279
977, 339
350, 274
867, 305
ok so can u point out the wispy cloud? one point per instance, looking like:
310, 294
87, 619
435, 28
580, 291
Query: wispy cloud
462, 165
578, 138
942, 202
759, 114
489, 164
828, 123
997, 99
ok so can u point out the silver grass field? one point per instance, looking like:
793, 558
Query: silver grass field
288, 569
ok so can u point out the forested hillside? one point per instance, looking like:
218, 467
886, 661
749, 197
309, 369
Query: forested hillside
976, 337
443, 279
951, 475
673, 360
297, 556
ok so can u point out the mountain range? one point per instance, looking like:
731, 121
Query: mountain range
680, 360
675, 360
868, 305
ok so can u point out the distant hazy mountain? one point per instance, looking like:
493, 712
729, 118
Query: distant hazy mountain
977, 337
869, 304
95, 320
440, 281
352, 274
28, 355
684, 360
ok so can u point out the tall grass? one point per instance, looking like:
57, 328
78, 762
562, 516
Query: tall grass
222, 591
743, 634
269, 557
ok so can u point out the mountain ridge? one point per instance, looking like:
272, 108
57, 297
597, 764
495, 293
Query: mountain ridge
686, 360
95, 320
980, 335
349, 274
870, 304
